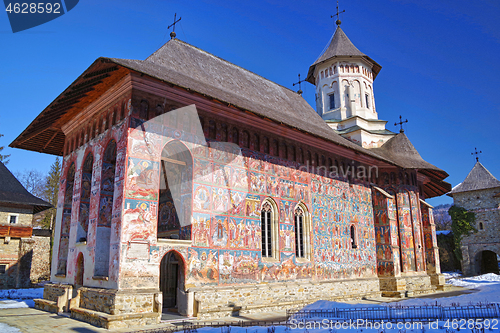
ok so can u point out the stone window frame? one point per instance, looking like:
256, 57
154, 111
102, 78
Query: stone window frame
306, 232
480, 225
10, 215
275, 250
353, 236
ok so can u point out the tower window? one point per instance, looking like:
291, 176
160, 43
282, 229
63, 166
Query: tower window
481, 226
367, 98
332, 101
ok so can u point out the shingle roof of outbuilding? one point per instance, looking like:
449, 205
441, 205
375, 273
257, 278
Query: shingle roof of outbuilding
12, 192
341, 46
479, 178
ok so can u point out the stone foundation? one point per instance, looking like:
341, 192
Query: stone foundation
56, 298
217, 302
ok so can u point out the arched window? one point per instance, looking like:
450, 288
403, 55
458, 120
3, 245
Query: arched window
275, 148
62, 257
103, 231
299, 233
353, 237
236, 136
481, 226
269, 230
246, 139
83, 216
223, 132
266, 145
256, 143
211, 130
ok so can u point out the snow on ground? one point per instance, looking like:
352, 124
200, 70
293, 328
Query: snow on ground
4, 328
19, 298
449, 275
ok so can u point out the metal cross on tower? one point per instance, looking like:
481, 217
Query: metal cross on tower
173, 34
338, 22
300, 81
401, 122
477, 154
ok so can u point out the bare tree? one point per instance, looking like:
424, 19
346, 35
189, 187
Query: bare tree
33, 181
3, 158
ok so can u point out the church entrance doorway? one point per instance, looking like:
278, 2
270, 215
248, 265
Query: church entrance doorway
79, 270
489, 262
172, 281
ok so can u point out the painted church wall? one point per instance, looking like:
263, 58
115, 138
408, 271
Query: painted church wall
228, 190
83, 209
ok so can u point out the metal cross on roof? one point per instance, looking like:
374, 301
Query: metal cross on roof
401, 122
338, 22
477, 154
300, 81
173, 34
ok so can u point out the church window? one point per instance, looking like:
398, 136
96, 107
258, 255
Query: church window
292, 153
211, 130
246, 139
275, 147
283, 150
122, 111
236, 136
357, 69
331, 72
269, 232
223, 131
115, 113
302, 232
334, 69
322, 75
353, 237
332, 101
481, 226
256, 142
367, 99
266, 145
347, 68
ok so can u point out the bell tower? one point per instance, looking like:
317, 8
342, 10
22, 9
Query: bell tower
344, 77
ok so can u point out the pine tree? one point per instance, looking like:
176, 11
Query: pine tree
51, 192
3, 158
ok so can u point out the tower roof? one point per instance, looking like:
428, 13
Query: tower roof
12, 192
340, 46
479, 178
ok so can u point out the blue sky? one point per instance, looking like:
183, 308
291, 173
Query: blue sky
439, 60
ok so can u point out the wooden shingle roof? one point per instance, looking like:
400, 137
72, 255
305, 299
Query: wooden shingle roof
13, 193
479, 178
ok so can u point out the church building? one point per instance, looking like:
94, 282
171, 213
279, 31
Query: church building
190, 184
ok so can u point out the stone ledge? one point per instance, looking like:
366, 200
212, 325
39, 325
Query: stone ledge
108, 321
46, 305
